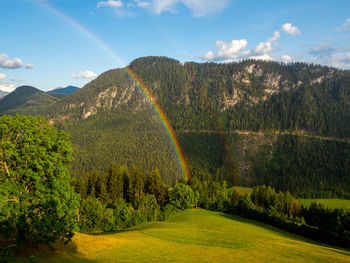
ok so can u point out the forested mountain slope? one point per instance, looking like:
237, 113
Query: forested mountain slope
25, 100
111, 120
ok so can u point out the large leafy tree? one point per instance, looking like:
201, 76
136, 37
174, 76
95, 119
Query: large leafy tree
37, 202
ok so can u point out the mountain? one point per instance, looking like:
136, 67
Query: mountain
24, 100
286, 125
3, 94
67, 90
252, 95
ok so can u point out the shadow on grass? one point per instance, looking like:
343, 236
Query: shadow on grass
44, 253
286, 234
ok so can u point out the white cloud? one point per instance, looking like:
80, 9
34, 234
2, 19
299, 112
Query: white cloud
262, 48
144, 4
208, 56
110, 3
230, 50
198, 7
345, 26
7, 87
29, 66
291, 30
262, 57
84, 75
2, 76
328, 54
276, 35
10, 64
236, 49
17, 79
286, 58
340, 60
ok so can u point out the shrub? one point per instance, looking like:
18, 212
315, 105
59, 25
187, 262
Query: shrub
91, 214
182, 196
148, 207
122, 214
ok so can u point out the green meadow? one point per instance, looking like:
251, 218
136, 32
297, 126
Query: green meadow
330, 203
195, 235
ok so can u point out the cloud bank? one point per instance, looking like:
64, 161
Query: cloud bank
236, 49
329, 54
110, 3
199, 8
345, 26
7, 87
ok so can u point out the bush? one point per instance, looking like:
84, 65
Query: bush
245, 205
92, 212
108, 220
148, 207
182, 196
122, 214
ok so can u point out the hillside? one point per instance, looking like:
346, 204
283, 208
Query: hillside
287, 125
197, 236
24, 100
67, 90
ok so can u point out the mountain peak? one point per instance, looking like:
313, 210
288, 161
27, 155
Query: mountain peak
67, 90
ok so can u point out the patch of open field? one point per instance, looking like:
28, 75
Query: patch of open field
330, 203
196, 236
243, 190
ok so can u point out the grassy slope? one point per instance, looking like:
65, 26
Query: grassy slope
330, 203
196, 236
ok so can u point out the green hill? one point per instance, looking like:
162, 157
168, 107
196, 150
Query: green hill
25, 100
195, 236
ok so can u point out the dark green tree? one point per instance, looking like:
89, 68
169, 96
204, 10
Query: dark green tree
136, 184
154, 185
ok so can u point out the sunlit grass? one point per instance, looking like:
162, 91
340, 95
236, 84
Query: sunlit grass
196, 236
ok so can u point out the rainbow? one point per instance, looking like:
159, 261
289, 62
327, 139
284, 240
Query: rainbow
163, 119
160, 113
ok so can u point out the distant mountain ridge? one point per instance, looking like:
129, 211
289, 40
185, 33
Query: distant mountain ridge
67, 90
25, 100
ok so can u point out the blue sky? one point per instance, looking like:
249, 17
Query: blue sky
52, 43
